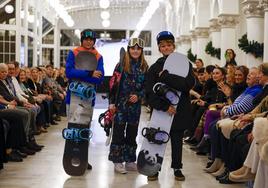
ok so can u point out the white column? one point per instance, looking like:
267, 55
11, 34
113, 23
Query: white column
185, 43
178, 45
40, 34
201, 42
264, 5
215, 34
193, 42
35, 37
228, 34
255, 28
56, 45
18, 30
25, 24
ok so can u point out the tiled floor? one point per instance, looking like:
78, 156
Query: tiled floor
44, 170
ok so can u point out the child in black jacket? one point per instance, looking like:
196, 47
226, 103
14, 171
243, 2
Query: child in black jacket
182, 115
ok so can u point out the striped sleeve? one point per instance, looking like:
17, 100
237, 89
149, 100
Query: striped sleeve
241, 105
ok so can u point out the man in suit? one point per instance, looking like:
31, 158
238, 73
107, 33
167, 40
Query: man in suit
9, 98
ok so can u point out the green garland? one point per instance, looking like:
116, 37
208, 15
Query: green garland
191, 56
214, 52
253, 47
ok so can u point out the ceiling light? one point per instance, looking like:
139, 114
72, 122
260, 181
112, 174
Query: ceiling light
9, 9
70, 23
105, 15
104, 4
77, 32
31, 18
61, 11
106, 23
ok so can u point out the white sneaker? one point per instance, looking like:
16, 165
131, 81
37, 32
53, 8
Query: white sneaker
119, 168
131, 166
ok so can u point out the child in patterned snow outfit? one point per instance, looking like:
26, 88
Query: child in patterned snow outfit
126, 93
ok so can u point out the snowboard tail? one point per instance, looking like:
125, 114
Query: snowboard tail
75, 157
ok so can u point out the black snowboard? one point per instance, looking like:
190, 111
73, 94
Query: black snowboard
110, 134
75, 157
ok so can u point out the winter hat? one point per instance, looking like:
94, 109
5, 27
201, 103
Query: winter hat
88, 33
165, 35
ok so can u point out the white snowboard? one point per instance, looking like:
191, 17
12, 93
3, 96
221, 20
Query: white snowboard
151, 155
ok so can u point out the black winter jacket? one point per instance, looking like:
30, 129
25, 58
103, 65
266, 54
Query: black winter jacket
183, 118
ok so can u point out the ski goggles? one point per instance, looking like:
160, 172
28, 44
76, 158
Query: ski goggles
136, 41
88, 34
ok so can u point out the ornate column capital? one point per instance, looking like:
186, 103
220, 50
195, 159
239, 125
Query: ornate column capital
228, 20
263, 4
201, 32
178, 41
214, 25
252, 9
193, 35
185, 39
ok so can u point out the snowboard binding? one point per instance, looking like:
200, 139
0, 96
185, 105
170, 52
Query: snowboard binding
85, 92
164, 91
155, 136
77, 135
106, 121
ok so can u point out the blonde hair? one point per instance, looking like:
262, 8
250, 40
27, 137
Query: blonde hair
126, 66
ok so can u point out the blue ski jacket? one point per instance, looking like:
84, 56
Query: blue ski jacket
83, 75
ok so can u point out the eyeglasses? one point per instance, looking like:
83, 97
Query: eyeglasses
136, 41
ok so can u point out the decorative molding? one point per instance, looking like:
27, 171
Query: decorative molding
178, 41
193, 35
202, 32
228, 20
252, 9
263, 4
185, 39
214, 25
